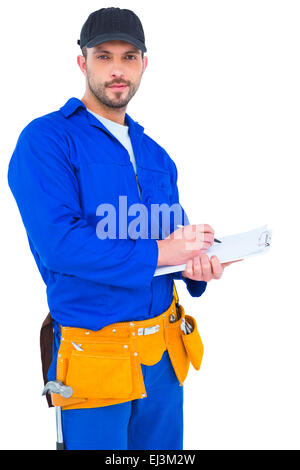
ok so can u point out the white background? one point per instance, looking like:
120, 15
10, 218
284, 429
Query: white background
221, 95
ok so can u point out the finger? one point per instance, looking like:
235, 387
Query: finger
217, 268
205, 231
199, 228
195, 233
205, 237
206, 244
200, 238
189, 268
197, 268
206, 268
197, 243
199, 248
205, 228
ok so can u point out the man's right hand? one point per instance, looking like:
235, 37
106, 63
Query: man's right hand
184, 244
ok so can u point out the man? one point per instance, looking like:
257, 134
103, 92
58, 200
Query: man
69, 168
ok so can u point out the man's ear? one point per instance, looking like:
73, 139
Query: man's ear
81, 63
145, 63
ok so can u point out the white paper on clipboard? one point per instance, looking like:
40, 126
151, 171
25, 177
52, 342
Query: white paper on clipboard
232, 248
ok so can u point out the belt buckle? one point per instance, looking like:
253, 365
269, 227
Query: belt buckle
150, 330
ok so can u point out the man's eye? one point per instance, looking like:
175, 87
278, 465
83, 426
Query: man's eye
102, 56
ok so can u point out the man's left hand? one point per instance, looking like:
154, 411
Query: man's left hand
201, 268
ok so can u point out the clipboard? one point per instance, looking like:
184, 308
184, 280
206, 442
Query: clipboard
232, 248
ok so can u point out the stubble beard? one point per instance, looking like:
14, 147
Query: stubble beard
119, 101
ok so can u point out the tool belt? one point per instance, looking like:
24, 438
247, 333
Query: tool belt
104, 367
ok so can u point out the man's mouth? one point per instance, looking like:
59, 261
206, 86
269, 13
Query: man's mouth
117, 87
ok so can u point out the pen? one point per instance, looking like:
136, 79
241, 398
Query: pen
215, 239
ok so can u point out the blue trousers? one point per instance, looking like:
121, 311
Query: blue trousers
151, 423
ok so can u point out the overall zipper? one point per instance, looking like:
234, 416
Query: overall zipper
138, 185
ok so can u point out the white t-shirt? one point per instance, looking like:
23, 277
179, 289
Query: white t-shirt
121, 133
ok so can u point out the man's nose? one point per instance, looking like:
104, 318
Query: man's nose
117, 73
117, 68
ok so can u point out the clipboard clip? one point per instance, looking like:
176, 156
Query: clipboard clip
265, 238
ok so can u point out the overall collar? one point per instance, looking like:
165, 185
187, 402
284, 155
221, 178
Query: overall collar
73, 104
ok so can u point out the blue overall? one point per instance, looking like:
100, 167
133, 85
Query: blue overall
151, 423
65, 164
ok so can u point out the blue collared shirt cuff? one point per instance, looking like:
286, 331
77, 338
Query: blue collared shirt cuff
195, 288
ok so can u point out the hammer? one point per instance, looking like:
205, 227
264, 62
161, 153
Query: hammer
55, 386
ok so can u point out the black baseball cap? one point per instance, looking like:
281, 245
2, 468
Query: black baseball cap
111, 23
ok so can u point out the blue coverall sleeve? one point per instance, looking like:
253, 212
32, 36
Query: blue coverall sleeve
195, 288
44, 184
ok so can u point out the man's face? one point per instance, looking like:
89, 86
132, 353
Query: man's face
114, 63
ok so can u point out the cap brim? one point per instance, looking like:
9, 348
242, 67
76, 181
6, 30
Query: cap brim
120, 36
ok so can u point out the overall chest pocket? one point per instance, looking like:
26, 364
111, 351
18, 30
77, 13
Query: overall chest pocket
156, 186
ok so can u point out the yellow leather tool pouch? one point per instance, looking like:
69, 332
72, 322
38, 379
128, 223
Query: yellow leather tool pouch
104, 367
100, 372
176, 349
193, 343
184, 348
